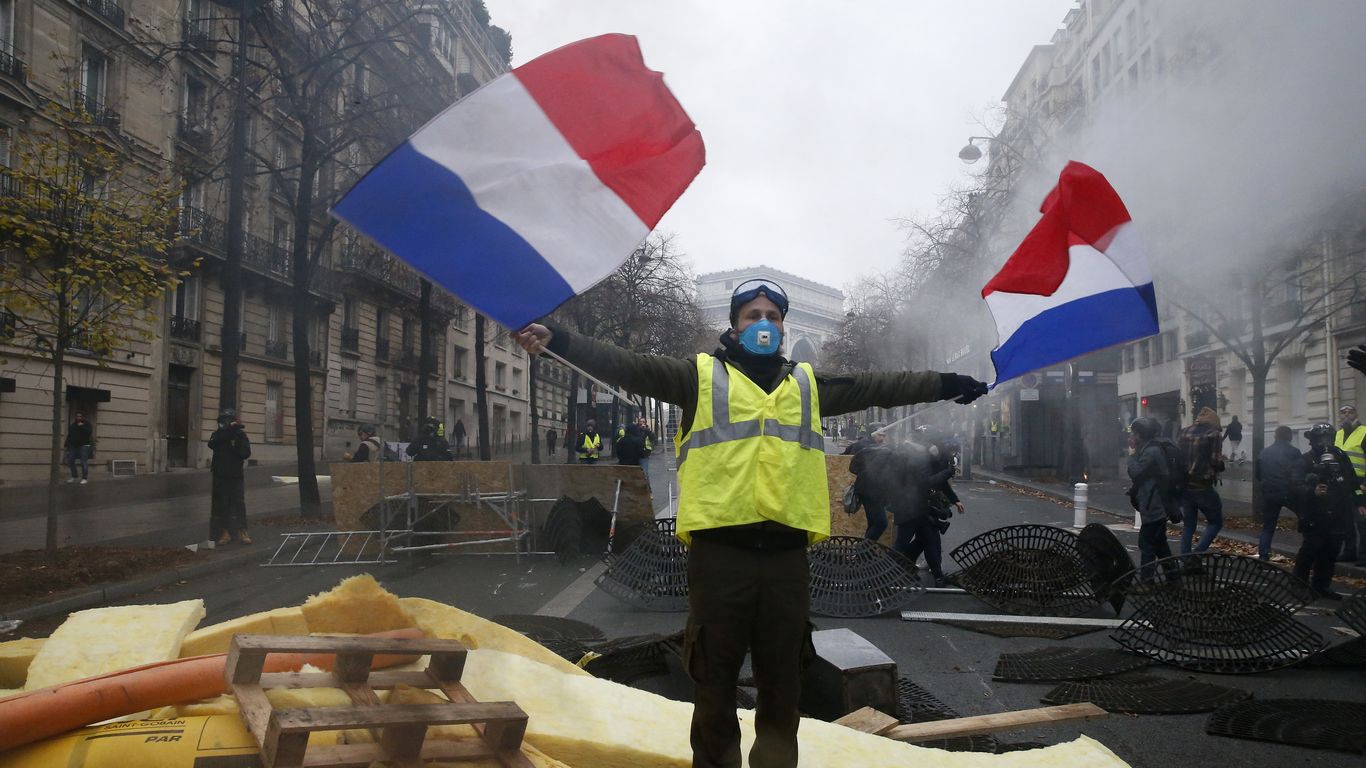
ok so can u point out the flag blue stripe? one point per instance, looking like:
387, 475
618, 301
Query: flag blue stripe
425, 214
1077, 327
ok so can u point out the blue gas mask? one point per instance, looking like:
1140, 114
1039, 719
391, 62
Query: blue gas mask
762, 338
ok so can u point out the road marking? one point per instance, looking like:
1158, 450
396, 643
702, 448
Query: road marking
563, 604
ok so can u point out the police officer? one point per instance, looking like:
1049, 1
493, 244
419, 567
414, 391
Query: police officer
752, 496
430, 445
228, 502
1326, 489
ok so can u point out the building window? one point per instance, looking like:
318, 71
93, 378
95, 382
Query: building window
347, 393
1144, 354
186, 302
381, 399
6, 141
1128, 356
500, 376
1156, 341
275, 328
275, 414
194, 105
516, 380
459, 362
94, 81
350, 313
1170, 336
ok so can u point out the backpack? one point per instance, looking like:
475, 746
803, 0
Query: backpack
1176, 473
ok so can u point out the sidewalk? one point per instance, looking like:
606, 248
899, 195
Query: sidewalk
1110, 497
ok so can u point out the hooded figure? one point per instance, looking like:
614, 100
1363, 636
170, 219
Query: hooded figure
228, 503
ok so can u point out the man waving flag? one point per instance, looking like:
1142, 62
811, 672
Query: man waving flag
1078, 282
536, 186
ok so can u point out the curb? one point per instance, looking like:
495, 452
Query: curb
1342, 569
102, 595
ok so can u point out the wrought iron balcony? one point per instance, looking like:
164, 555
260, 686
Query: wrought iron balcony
382, 349
277, 349
350, 340
94, 106
266, 256
198, 34
9, 63
197, 226
184, 328
380, 266
109, 10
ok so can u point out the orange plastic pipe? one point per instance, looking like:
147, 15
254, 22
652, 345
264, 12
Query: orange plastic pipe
35, 715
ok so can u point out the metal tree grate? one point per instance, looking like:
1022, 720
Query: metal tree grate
1140, 694
1314, 723
1349, 654
1027, 569
917, 705
1353, 611
1108, 562
542, 628
1052, 664
1011, 629
652, 573
1225, 614
853, 577
627, 659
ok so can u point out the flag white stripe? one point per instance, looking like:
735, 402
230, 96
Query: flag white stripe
1091, 273
522, 171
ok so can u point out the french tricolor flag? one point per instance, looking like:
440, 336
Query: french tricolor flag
1078, 282
538, 185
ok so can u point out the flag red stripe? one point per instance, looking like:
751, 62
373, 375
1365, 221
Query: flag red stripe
1082, 208
621, 118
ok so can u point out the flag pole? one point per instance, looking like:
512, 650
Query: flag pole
619, 393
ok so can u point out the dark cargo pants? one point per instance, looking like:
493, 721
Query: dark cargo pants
742, 600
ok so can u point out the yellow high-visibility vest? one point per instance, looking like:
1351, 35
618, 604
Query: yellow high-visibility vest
751, 456
1352, 445
591, 445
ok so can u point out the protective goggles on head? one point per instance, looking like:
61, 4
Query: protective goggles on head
1346, 409
751, 289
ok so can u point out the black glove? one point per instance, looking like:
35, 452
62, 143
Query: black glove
960, 388
1357, 358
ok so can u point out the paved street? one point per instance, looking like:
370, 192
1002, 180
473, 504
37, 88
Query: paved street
954, 664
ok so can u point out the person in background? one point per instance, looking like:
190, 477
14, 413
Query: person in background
1150, 494
1351, 439
648, 439
589, 443
631, 447
458, 431
1234, 435
922, 528
871, 469
79, 446
550, 438
228, 502
1327, 487
1201, 449
370, 448
1273, 470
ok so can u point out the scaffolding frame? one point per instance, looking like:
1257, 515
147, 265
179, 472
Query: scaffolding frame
401, 514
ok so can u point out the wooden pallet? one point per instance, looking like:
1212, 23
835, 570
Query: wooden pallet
402, 728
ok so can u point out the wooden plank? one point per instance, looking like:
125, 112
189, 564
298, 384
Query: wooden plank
403, 744
446, 666
1007, 618
868, 720
401, 646
340, 718
243, 664
1001, 721
254, 708
352, 666
382, 680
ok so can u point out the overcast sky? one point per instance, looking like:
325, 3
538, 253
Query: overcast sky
823, 121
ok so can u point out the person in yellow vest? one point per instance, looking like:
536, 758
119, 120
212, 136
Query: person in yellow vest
589, 445
752, 496
1351, 439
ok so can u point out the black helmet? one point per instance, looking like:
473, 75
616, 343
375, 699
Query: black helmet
227, 416
1145, 427
1320, 431
368, 429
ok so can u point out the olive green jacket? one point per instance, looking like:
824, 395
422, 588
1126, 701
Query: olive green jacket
674, 380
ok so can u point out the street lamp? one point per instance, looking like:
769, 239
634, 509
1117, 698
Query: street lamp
971, 153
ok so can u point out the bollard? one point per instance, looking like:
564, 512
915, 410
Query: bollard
1079, 502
